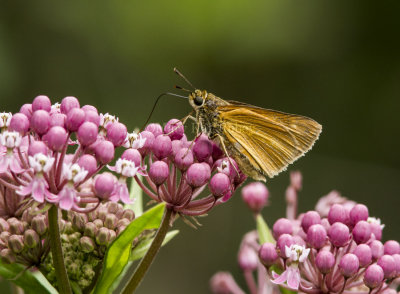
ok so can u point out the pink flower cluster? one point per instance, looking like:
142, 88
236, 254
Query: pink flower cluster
53, 153
179, 170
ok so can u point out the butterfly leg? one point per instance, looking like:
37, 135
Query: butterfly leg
197, 133
221, 140
183, 121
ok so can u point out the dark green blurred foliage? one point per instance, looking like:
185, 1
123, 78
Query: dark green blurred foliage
335, 61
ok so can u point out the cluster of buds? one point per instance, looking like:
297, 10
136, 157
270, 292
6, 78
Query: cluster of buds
85, 238
336, 248
24, 239
179, 170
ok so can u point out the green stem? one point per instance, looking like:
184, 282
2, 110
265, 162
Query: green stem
58, 259
147, 260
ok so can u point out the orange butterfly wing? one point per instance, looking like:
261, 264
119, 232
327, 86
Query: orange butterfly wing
271, 140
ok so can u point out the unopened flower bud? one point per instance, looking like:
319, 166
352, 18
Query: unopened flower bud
92, 116
255, 195
267, 253
36, 147
31, 238
7, 256
310, 218
349, 265
388, 264
162, 146
110, 221
90, 229
19, 123
325, 261
219, 184
198, 174
377, 249
39, 224
104, 185
247, 258
361, 232
40, 121
78, 221
373, 276
337, 213
4, 226
116, 133
87, 244
148, 143
358, 213
98, 223
16, 226
41, 102
56, 138
58, 120
154, 128
202, 150
103, 236
184, 158
364, 254
104, 151
159, 172
284, 240
174, 129
68, 103
75, 118
88, 162
132, 155
296, 180
87, 133
128, 214
223, 283
392, 247
316, 236
339, 234
27, 110
123, 222
282, 226
396, 258
16, 243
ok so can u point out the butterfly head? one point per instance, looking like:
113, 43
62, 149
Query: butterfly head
198, 98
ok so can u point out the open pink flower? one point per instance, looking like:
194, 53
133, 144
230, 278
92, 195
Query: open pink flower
134, 140
9, 159
125, 168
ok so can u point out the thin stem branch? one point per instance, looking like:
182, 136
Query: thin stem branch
147, 260
56, 250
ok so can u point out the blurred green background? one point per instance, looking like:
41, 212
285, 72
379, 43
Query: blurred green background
335, 61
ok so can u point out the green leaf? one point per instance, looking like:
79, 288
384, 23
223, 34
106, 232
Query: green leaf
138, 252
117, 255
30, 282
136, 193
264, 233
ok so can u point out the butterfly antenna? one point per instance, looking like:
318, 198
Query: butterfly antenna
180, 88
183, 77
155, 104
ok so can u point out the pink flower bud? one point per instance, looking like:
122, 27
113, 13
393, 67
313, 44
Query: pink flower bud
377, 249
87, 244
325, 261
267, 253
162, 146
339, 234
284, 240
69, 103
174, 129
217, 153
184, 159
223, 283
388, 264
363, 252
337, 213
39, 224
56, 138
40, 121
104, 151
75, 118
159, 172
88, 162
116, 133
41, 102
27, 110
316, 236
148, 144
247, 259
87, 133
198, 174
296, 180
16, 243
358, 213
7, 256
37, 147
31, 238
87, 108
58, 119
392, 247
255, 195
156, 129
349, 265
92, 116
132, 155
202, 150
219, 184
282, 226
361, 232
104, 185
373, 276
19, 123
396, 258
310, 218
103, 236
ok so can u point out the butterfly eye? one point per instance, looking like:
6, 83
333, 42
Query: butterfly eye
198, 100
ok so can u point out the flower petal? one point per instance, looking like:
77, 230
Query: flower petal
38, 188
280, 279
293, 278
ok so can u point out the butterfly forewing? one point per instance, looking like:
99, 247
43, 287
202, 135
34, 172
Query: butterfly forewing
270, 140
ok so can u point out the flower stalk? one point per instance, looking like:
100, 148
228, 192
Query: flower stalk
147, 260
56, 249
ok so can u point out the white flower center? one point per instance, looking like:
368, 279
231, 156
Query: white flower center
134, 140
40, 162
107, 118
74, 173
126, 168
5, 118
296, 252
10, 139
